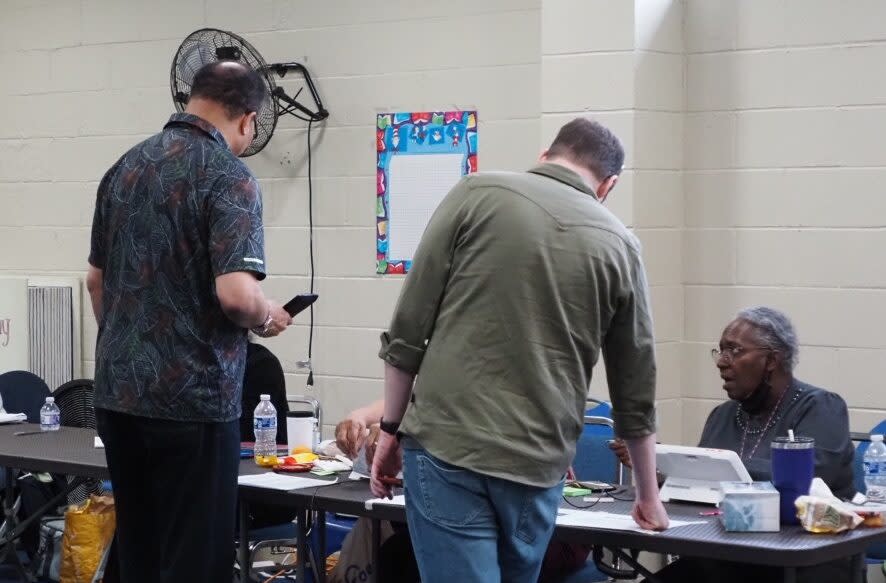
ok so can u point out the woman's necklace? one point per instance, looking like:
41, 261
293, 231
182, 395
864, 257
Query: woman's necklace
763, 431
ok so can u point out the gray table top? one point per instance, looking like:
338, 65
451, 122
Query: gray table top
791, 547
70, 450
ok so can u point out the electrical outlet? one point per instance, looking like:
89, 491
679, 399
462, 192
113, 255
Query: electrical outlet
303, 364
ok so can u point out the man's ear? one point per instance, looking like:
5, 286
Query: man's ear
543, 157
247, 122
606, 187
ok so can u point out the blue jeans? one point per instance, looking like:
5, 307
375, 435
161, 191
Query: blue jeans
470, 528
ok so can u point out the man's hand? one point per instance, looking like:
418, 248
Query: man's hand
350, 435
280, 320
372, 443
387, 463
620, 448
650, 514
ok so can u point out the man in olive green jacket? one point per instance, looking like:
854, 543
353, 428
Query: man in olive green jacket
520, 281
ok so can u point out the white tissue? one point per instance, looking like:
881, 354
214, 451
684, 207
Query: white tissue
819, 489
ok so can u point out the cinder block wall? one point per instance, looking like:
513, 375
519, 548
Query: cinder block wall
86, 79
766, 114
784, 177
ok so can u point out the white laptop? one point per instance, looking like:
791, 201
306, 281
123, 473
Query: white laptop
694, 473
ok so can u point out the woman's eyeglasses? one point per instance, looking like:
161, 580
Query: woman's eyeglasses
730, 353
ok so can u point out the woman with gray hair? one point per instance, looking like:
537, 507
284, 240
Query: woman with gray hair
756, 359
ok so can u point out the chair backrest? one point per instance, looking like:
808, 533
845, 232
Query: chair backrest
593, 458
23, 392
75, 401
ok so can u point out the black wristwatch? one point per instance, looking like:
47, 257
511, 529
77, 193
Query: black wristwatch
389, 427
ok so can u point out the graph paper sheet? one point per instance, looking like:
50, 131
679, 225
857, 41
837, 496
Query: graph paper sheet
417, 185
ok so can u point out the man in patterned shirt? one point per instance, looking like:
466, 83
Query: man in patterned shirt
177, 253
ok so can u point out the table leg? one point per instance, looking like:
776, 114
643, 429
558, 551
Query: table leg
301, 544
9, 513
320, 524
12, 526
376, 545
858, 568
635, 564
790, 575
243, 549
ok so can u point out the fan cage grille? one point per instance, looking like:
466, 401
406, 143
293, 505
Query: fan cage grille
208, 45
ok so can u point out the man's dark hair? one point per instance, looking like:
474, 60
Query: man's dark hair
239, 89
589, 144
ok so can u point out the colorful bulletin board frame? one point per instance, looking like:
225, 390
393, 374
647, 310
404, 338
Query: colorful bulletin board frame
444, 133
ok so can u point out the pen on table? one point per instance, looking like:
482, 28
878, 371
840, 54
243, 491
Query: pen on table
36, 432
711, 513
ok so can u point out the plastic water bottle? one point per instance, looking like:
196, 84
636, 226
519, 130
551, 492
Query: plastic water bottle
264, 422
50, 416
875, 470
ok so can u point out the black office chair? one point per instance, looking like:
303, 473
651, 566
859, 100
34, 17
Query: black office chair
23, 392
75, 402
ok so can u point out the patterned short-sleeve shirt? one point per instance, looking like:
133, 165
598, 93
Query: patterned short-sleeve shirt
173, 213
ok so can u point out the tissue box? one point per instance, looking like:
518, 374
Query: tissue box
749, 507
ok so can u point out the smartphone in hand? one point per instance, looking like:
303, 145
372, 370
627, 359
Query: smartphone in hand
299, 303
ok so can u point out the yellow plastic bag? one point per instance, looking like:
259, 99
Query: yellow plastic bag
89, 528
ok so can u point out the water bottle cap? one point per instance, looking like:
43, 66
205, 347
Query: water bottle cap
50, 400
876, 437
264, 397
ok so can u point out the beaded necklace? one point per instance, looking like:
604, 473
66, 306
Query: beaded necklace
769, 423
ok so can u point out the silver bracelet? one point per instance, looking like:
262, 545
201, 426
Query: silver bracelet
263, 330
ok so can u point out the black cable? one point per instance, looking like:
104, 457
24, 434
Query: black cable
582, 507
310, 382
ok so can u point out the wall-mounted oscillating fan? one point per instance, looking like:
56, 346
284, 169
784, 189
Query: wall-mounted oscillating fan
207, 45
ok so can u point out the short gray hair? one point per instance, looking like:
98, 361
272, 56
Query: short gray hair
775, 331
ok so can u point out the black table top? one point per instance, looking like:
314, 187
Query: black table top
70, 450
791, 547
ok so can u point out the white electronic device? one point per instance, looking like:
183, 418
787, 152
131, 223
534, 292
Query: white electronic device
694, 474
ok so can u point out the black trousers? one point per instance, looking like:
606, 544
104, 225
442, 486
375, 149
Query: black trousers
175, 488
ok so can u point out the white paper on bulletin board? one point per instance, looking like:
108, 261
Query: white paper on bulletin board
417, 185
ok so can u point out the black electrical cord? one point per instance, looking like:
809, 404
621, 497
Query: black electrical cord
310, 382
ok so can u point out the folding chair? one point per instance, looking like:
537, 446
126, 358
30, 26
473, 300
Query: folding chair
595, 461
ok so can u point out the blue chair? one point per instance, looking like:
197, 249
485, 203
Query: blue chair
593, 458
595, 461
23, 392
876, 553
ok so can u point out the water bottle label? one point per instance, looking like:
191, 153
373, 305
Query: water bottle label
264, 423
872, 468
49, 419
875, 493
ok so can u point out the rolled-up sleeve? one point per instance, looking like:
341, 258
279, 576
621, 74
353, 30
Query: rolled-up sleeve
403, 344
629, 353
